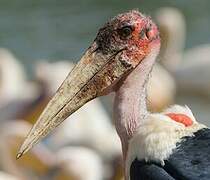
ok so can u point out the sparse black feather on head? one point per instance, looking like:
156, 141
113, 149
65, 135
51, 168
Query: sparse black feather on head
113, 35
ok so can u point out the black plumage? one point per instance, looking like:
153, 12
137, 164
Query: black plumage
189, 161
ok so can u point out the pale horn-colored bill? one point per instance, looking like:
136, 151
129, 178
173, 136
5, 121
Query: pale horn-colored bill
93, 74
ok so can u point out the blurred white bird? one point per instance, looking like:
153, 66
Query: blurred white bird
16, 92
172, 26
5, 176
79, 163
162, 85
13, 81
39, 161
190, 68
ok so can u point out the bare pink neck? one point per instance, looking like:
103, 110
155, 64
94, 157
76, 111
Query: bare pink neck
130, 101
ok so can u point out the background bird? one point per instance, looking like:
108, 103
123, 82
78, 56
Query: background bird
188, 67
13, 82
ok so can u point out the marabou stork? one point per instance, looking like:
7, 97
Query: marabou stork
184, 65
162, 85
120, 60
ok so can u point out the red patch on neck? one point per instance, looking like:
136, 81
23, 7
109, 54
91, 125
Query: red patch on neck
181, 118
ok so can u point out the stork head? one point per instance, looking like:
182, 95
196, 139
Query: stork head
120, 45
131, 36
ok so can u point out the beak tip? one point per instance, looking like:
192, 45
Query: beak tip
19, 154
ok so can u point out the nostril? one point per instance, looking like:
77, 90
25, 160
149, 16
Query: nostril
151, 31
142, 34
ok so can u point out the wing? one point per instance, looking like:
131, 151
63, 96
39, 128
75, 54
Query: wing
143, 171
190, 161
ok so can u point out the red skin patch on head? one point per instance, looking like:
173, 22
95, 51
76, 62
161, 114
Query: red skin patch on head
181, 118
142, 44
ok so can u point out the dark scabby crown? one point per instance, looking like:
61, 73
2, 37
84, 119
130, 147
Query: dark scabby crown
107, 38
131, 15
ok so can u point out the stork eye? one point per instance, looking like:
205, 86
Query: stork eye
125, 31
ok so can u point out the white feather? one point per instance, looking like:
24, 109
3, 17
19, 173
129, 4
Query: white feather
156, 139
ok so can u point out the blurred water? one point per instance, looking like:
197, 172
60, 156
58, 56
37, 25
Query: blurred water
62, 29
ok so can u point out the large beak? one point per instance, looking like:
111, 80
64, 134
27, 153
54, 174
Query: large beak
94, 74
